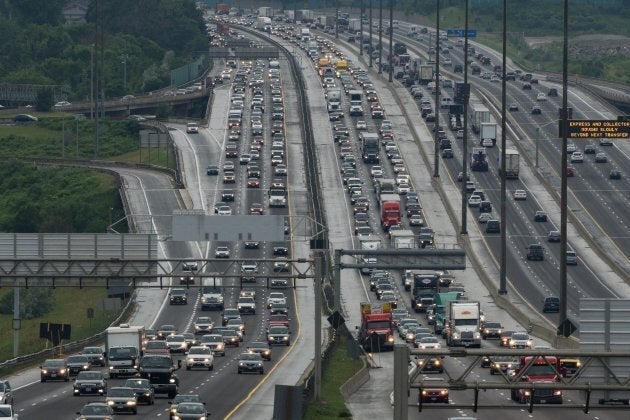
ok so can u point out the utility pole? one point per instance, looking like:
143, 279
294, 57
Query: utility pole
124, 58
380, 37
464, 228
391, 40
361, 28
371, 43
436, 143
503, 270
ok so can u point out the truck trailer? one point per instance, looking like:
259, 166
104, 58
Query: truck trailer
511, 164
123, 349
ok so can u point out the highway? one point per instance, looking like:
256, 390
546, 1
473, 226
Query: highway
153, 202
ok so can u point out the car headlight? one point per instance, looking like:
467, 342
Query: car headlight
456, 336
171, 381
241, 364
110, 402
444, 392
286, 337
557, 393
62, 371
578, 364
44, 371
85, 367
110, 368
131, 403
512, 342
191, 360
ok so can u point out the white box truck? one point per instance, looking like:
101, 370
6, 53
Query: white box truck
488, 135
511, 164
403, 239
463, 324
369, 243
123, 349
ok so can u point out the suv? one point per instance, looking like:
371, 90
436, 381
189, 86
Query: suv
55, 369
90, 382
6, 396
551, 304
248, 269
535, 252
178, 296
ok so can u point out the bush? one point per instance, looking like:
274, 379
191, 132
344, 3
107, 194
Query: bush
34, 302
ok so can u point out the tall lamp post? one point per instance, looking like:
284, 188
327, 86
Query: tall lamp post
503, 269
380, 36
124, 58
464, 228
436, 145
391, 39
371, 43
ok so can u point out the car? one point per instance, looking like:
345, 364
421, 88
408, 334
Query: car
122, 399
430, 364
212, 170
257, 209
571, 171
540, 216
520, 195
474, 201
6, 392
96, 411
536, 110
228, 165
224, 211
571, 258
190, 411
280, 170
90, 382
601, 158
177, 343
485, 217
469, 186
156, 347
61, 104
280, 250
143, 389
214, 342
128, 98
513, 107
229, 177
261, 348
447, 153
541, 97
605, 141
251, 244
229, 313
250, 362
203, 325
504, 339
95, 354
503, 364
551, 304
77, 363
590, 149
535, 252
361, 125
246, 305
614, 174
527, 86
222, 252
433, 390
571, 147
200, 356
178, 297
165, 330
493, 226
428, 343
182, 399
55, 370
278, 334
192, 128
577, 157
416, 220
553, 236
520, 340
491, 329
227, 195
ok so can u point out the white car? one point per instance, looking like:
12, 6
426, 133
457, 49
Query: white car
361, 125
474, 201
520, 340
376, 171
541, 97
61, 104
520, 195
416, 220
402, 179
403, 188
276, 298
222, 252
200, 356
429, 343
577, 157
224, 211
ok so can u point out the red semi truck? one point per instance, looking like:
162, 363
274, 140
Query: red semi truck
390, 210
222, 9
375, 333
544, 370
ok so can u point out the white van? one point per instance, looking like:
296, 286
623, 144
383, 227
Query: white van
446, 101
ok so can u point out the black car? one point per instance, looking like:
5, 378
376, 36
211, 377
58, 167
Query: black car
430, 364
227, 195
212, 170
485, 207
25, 118
491, 329
261, 348
540, 216
280, 250
614, 174
77, 363
181, 399
252, 244
178, 297
251, 362
536, 110
54, 370
553, 236
143, 390
551, 304
90, 382
96, 411
535, 252
95, 355
190, 411
277, 334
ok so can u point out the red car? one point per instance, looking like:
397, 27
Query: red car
279, 319
256, 208
570, 171
253, 183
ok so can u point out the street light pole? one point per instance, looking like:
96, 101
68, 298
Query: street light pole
371, 43
537, 141
380, 37
124, 58
391, 39
436, 144
503, 269
464, 226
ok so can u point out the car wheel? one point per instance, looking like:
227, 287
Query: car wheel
239, 371
187, 367
67, 380
172, 394
135, 412
211, 367
262, 372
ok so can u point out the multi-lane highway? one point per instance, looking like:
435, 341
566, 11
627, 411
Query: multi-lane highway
153, 201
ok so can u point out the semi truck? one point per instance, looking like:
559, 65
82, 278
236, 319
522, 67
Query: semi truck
461, 92
305, 34
390, 210
265, 11
222, 9
384, 186
425, 286
511, 164
369, 242
488, 134
542, 370
463, 325
403, 239
263, 23
277, 197
478, 114
376, 333
369, 147
123, 349
354, 25
441, 301
426, 74
479, 160
333, 95
304, 15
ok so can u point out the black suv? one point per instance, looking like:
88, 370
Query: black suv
535, 252
178, 297
55, 369
227, 195
551, 304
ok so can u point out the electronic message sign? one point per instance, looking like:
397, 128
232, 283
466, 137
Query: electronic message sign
594, 129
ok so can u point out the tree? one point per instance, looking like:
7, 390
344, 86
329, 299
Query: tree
44, 101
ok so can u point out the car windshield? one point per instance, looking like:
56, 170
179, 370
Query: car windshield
493, 325
199, 350
157, 362
190, 408
258, 345
87, 375
77, 359
120, 392
155, 345
211, 339
180, 398
277, 330
92, 350
175, 338
94, 410
250, 356
54, 363
137, 383
520, 337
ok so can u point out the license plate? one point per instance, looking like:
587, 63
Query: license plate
53, 375
543, 401
88, 389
